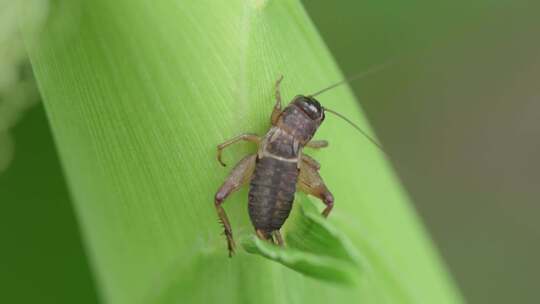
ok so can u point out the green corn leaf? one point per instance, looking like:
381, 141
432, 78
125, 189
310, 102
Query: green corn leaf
314, 248
139, 93
316, 266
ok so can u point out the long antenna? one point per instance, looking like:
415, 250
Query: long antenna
376, 143
354, 77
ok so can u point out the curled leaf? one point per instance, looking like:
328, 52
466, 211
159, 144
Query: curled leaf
314, 248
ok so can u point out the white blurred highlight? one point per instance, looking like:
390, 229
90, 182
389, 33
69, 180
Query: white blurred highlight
17, 87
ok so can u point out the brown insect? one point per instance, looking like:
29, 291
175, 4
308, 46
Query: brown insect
279, 167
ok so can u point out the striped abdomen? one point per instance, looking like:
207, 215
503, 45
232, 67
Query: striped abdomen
271, 193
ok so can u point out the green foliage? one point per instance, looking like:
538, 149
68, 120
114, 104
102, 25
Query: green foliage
138, 95
314, 248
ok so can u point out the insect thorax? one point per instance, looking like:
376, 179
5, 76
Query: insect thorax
281, 145
296, 123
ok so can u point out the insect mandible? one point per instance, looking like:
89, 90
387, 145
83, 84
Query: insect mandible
279, 168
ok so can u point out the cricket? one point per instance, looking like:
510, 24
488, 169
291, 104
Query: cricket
279, 167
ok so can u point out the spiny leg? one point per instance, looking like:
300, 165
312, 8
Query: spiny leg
310, 182
317, 144
239, 175
277, 107
246, 136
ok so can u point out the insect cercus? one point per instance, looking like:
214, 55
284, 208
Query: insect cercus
279, 167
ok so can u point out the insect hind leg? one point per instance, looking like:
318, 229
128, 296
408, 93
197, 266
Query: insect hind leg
227, 230
238, 177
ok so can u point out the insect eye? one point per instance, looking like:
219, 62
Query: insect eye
315, 107
310, 106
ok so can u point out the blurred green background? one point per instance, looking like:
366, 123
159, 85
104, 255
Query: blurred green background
458, 114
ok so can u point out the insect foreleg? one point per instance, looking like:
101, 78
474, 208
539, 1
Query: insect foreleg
310, 182
277, 107
240, 175
246, 136
317, 144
